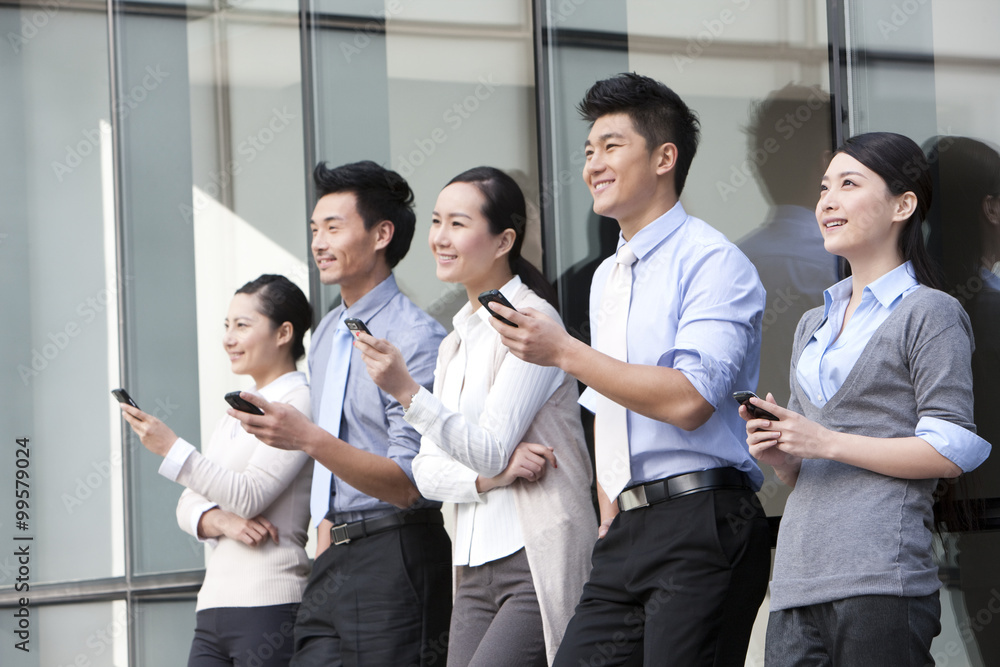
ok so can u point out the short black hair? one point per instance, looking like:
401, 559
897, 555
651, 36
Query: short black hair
657, 112
381, 194
282, 301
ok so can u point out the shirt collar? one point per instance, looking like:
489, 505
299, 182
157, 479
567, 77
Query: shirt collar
281, 386
374, 301
652, 235
886, 289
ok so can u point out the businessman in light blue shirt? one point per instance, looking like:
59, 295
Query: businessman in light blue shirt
682, 564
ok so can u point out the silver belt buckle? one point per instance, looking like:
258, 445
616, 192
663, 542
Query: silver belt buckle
633, 498
339, 534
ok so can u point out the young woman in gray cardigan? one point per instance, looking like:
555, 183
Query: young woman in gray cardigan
880, 409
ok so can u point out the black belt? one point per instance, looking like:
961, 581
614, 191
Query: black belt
681, 485
355, 530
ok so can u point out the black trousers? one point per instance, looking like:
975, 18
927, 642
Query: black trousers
675, 583
243, 636
383, 600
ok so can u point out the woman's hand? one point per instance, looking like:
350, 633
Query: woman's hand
528, 462
764, 442
251, 532
154, 434
323, 539
387, 367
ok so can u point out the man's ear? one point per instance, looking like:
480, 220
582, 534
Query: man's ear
383, 233
666, 158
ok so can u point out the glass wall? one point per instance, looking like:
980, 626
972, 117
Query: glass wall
158, 156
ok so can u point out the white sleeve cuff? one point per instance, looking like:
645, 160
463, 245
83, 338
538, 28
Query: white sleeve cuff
957, 444
196, 513
175, 459
588, 399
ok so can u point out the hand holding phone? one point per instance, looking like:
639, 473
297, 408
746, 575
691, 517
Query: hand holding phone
743, 398
494, 296
356, 326
123, 397
241, 404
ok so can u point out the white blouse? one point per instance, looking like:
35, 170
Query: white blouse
472, 427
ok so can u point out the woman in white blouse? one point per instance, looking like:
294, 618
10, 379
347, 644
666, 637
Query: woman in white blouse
247, 500
525, 520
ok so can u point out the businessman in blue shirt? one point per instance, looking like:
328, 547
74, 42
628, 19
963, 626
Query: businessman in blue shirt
682, 562
380, 590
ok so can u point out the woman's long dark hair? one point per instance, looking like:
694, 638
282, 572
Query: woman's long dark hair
504, 208
900, 162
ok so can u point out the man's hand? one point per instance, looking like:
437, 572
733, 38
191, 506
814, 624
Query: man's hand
280, 426
528, 462
537, 339
387, 367
156, 436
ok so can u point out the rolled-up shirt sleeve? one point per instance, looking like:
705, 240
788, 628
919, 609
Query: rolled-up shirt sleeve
717, 332
956, 443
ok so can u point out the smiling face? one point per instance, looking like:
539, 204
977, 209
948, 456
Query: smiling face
255, 346
346, 253
465, 250
857, 215
624, 176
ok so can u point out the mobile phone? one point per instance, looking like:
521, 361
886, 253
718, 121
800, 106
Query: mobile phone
743, 398
123, 397
356, 326
494, 296
241, 404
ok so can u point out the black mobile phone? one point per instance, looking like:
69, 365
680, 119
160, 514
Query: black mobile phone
123, 397
494, 296
356, 325
241, 404
743, 398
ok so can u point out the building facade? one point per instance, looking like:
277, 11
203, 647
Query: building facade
157, 155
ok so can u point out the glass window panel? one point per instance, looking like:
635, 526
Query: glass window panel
163, 632
212, 178
432, 116
59, 345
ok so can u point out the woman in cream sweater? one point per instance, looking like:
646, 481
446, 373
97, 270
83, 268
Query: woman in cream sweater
250, 502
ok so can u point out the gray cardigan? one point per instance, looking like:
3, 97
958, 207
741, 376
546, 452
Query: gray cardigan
848, 531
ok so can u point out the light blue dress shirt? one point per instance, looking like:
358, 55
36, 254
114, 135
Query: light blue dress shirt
827, 358
696, 307
373, 420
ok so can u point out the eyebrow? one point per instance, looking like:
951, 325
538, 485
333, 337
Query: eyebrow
845, 173
606, 136
453, 215
327, 219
